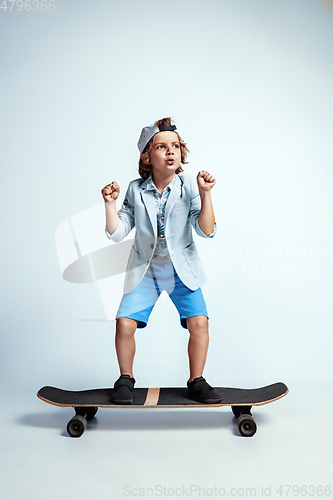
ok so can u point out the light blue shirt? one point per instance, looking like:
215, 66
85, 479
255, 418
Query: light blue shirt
161, 248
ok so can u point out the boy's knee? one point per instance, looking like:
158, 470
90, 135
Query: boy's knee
125, 326
197, 324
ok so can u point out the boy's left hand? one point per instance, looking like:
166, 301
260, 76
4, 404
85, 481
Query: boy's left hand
205, 181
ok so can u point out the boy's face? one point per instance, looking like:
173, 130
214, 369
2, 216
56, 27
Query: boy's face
165, 154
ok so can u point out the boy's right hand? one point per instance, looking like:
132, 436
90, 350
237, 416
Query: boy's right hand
111, 192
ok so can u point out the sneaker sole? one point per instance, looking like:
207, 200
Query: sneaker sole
205, 401
122, 401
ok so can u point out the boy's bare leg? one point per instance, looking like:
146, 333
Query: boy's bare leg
197, 345
198, 388
125, 344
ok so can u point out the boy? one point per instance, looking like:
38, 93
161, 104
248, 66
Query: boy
162, 205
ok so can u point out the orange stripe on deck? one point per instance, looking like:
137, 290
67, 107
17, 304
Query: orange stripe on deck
152, 397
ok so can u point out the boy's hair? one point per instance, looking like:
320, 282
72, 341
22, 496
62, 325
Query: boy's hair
145, 169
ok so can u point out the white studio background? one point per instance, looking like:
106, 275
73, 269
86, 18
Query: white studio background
249, 84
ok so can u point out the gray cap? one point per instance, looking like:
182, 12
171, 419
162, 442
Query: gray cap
148, 132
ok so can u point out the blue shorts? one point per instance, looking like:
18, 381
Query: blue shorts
161, 275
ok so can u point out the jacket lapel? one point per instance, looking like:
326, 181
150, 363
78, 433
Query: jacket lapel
149, 201
176, 192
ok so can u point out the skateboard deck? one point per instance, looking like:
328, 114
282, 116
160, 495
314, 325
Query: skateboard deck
86, 403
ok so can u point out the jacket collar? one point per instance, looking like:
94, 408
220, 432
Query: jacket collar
177, 181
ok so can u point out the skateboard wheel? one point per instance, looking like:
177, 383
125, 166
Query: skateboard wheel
246, 425
87, 412
240, 410
76, 426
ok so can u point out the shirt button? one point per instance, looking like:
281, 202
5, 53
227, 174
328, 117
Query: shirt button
163, 199
162, 217
151, 246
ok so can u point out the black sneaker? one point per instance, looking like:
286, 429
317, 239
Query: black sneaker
201, 391
123, 390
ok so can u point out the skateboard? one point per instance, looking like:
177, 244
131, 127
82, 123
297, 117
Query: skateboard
86, 403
